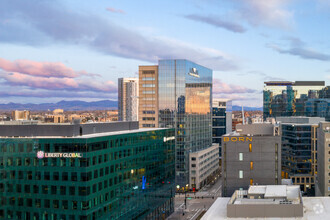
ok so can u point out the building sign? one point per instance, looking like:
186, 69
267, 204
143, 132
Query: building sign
41, 154
194, 72
144, 180
237, 139
169, 138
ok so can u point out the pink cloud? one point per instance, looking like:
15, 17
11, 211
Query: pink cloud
220, 87
45, 69
113, 10
53, 83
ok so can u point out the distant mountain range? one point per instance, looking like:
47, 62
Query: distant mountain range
239, 108
82, 106
66, 105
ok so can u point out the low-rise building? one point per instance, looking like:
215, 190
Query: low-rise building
204, 165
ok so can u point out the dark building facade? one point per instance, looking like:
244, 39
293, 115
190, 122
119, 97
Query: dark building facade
300, 98
221, 120
185, 99
111, 175
299, 151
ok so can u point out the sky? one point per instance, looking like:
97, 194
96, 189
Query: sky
52, 50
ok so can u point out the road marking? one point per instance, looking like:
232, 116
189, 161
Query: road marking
180, 205
195, 214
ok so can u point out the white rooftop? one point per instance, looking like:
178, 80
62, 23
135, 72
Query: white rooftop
273, 191
315, 208
257, 190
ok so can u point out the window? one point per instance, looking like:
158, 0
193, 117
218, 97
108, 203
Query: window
148, 72
251, 165
148, 85
149, 92
193, 165
240, 174
240, 156
72, 190
148, 78
250, 147
73, 176
149, 99
47, 203
193, 158
55, 204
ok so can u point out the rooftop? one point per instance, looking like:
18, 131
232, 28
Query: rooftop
315, 208
69, 130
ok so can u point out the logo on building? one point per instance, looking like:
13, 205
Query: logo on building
237, 139
194, 72
169, 138
40, 154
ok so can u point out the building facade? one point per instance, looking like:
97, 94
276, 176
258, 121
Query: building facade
121, 174
285, 98
128, 99
185, 99
323, 160
299, 151
221, 119
20, 115
204, 166
148, 96
251, 156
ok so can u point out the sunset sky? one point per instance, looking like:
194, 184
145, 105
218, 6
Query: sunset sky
76, 50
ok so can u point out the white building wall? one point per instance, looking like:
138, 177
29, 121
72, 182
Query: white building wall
203, 164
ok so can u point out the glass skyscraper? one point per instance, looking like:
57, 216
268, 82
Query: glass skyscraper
114, 175
300, 98
185, 102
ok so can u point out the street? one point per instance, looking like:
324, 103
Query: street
196, 202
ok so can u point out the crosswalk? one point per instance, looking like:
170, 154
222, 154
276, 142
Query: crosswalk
198, 209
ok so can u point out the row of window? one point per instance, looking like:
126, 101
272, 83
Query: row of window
148, 118
148, 112
148, 85
148, 92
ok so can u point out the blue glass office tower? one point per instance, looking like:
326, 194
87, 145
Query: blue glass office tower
185, 98
300, 98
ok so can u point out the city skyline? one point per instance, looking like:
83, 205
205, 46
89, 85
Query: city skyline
60, 50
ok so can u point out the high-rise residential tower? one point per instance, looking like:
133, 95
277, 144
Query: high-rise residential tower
185, 102
148, 96
284, 98
128, 99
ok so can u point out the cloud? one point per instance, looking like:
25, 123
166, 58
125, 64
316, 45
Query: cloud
220, 87
51, 22
45, 69
43, 93
297, 48
264, 76
273, 13
53, 83
113, 10
217, 22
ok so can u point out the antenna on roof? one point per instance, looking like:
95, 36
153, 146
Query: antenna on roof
243, 115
